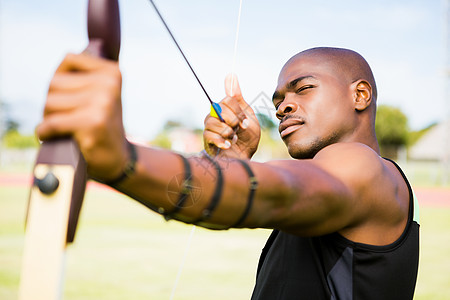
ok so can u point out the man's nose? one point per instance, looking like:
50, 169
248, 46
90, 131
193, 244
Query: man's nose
286, 107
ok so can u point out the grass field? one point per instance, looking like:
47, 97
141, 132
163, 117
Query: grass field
123, 251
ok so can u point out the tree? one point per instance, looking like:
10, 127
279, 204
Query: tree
10, 137
265, 122
14, 139
392, 131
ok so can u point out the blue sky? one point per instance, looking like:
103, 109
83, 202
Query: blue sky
403, 41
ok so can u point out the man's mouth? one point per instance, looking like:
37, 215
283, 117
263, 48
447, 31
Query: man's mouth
288, 126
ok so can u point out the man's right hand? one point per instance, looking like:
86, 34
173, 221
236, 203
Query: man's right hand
239, 135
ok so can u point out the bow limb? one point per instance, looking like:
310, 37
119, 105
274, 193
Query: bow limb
60, 181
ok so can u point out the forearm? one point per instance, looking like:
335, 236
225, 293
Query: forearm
157, 183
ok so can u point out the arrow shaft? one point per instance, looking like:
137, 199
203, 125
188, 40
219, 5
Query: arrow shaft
186, 60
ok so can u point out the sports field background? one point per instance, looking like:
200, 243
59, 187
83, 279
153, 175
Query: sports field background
124, 251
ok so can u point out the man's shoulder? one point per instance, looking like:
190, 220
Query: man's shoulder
359, 167
377, 184
355, 157
348, 149
354, 164
338, 157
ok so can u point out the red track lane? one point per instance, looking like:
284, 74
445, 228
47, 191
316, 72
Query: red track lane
430, 197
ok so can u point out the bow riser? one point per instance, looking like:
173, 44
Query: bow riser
51, 220
59, 182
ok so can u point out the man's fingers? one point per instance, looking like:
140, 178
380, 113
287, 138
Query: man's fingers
78, 71
84, 62
233, 113
63, 102
72, 82
233, 91
59, 125
215, 139
214, 125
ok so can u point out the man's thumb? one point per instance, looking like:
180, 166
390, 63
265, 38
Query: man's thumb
232, 88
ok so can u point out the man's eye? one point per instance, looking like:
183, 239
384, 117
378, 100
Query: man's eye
303, 88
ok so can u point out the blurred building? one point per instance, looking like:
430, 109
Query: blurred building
432, 145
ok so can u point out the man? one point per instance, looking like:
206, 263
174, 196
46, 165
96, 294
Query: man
342, 215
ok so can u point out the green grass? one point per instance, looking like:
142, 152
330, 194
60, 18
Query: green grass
434, 266
124, 251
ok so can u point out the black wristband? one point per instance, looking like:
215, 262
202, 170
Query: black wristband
129, 169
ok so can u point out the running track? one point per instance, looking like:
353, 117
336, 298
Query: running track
432, 197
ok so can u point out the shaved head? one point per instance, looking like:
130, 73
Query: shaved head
347, 63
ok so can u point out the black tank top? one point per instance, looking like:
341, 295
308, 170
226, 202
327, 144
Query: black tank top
333, 267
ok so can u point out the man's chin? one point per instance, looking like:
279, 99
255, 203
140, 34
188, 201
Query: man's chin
308, 147
301, 151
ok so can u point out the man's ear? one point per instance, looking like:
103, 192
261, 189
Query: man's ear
362, 95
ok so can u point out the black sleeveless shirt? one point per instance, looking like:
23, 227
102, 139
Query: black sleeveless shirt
333, 267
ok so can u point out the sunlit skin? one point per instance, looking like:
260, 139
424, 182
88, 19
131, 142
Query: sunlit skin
325, 101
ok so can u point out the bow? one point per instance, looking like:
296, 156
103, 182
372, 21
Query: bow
59, 181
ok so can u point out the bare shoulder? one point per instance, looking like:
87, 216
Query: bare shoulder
357, 166
370, 202
355, 163
362, 169
381, 193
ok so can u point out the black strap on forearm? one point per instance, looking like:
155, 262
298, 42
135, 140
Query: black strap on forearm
186, 187
251, 195
217, 194
208, 211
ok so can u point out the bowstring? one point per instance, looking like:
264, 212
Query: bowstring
189, 242
236, 39
183, 261
188, 245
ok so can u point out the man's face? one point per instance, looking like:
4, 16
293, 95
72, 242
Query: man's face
314, 104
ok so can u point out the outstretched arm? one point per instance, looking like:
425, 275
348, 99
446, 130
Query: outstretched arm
295, 198
305, 197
